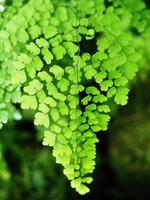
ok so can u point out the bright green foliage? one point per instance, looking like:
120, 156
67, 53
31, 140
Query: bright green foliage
121, 95
44, 68
49, 138
28, 102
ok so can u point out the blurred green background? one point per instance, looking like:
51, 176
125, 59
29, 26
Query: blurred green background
28, 171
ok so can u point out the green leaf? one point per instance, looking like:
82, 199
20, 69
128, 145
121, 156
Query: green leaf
48, 56
82, 189
42, 119
69, 170
50, 31
114, 50
67, 132
54, 114
55, 128
130, 70
33, 49
59, 52
103, 108
111, 92
92, 90
86, 100
44, 76
43, 108
124, 39
30, 68
41, 96
74, 114
99, 56
63, 122
42, 43
24, 58
55, 41
63, 159
73, 101
122, 81
18, 65
106, 84
34, 31
50, 101
103, 121
28, 102
103, 43
49, 138
84, 22
112, 63
63, 108
90, 115
57, 71
91, 107
33, 87
100, 76
63, 84
99, 98
71, 48
114, 74
121, 96
76, 182
18, 77
89, 71
59, 96
83, 127
61, 138
90, 34
37, 63
87, 180
22, 35
76, 88
61, 13
52, 90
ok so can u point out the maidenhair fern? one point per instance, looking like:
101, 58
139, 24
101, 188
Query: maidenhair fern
72, 91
